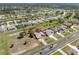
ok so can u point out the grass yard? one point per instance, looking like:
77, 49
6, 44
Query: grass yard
77, 27
4, 50
70, 29
64, 32
74, 42
48, 25
50, 40
57, 53
67, 49
57, 36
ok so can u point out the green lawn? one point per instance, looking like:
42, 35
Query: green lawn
57, 53
50, 40
48, 25
66, 33
77, 27
3, 46
70, 29
57, 36
75, 41
65, 49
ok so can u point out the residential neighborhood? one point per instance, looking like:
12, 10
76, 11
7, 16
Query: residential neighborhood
39, 29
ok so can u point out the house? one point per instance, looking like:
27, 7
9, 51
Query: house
68, 24
76, 22
11, 25
2, 28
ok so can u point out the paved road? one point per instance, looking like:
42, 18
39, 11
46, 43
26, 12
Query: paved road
46, 49
60, 46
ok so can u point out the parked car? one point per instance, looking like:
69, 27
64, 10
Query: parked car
11, 28
19, 26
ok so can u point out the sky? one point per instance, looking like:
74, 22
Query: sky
39, 1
